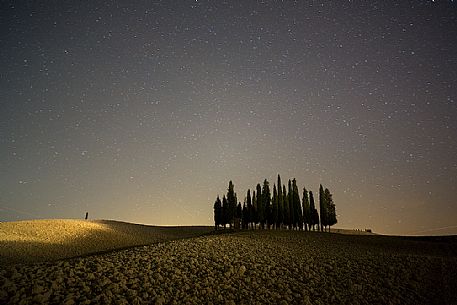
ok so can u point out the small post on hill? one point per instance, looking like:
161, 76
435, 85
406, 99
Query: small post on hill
87, 215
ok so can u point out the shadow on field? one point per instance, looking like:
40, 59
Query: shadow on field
440, 246
412, 245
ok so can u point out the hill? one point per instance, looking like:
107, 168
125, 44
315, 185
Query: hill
46, 240
248, 267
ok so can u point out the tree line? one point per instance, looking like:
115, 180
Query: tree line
282, 209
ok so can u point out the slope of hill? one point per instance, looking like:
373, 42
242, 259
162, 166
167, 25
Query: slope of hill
44, 240
248, 267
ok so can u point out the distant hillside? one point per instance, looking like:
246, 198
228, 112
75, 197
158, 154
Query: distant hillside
352, 231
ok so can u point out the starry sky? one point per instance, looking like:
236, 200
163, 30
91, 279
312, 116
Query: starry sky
142, 111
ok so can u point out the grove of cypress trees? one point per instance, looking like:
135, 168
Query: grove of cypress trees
277, 210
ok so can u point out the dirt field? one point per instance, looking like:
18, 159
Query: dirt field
248, 267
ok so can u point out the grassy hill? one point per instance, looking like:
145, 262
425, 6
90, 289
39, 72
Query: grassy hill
46, 240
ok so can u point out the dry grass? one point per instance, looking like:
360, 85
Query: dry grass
45, 240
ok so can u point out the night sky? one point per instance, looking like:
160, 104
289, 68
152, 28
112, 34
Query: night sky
142, 111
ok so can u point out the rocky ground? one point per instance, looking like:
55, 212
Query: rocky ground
261, 267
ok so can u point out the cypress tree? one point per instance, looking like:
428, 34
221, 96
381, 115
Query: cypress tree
285, 197
225, 209
234, 210
245, 216
325, 209
315, 217
238, 214
280, 210
298, 215
255, 217
314, 214
275, 207
231, 199
306, 210
260, 208
322, 208
266, 203
249, 208
217, 213
331, 209
290, 200
280, 204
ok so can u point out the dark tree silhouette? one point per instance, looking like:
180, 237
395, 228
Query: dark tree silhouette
245, 216
331, 209
290, 199
314, 214
260, 208
315, 217
306, 210
322, 208
231, 199
280, 219
274, 219
282, 209
225, 209
266, 203
285, 197
217, 213
239, 210
255, 218
238, 215
298, 215
250, 211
